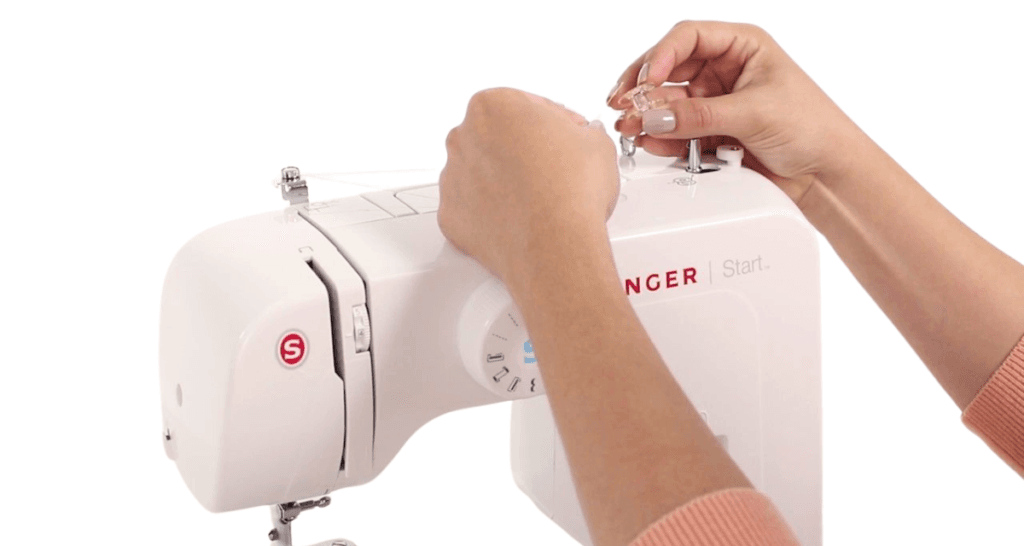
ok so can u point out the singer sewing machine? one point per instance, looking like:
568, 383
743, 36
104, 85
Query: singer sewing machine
300, 349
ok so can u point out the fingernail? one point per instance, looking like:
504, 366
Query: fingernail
618, 122
642, 77
659, 121
595, 124
615, 90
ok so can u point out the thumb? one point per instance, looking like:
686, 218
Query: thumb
724, 115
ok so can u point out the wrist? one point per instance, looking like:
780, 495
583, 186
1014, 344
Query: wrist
853, 155
562, 260
844, 200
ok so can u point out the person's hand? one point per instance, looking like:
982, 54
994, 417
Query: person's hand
525, 179
741, 85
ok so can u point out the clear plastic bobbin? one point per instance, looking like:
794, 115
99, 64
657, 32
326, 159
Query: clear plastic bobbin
642, 103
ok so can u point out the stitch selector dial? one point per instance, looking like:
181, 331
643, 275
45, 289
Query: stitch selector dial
495, 347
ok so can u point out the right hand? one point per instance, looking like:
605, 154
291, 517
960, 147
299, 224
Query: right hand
741, 85
527, 185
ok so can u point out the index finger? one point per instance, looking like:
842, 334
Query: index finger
683, 52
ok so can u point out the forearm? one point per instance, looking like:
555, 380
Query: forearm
637, 448
958, 300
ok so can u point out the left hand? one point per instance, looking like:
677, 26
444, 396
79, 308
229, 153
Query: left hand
526, 181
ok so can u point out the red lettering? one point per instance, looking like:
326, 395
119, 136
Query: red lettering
670, 279
653, 282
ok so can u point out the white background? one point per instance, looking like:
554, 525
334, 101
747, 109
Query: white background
126, 128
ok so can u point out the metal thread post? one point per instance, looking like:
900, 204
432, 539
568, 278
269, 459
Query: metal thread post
693, 165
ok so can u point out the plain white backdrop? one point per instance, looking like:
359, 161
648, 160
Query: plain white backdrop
128, 127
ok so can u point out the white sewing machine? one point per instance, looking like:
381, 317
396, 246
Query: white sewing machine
275, 391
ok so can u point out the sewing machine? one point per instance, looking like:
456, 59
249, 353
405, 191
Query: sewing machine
300, 349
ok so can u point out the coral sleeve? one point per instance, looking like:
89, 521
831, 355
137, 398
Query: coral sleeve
731, 517
997, 413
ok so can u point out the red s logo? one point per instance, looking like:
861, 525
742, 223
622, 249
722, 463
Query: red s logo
291, 350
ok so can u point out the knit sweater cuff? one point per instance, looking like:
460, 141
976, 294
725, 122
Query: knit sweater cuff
731, 517
997, 413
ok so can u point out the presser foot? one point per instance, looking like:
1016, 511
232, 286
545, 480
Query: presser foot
282, 516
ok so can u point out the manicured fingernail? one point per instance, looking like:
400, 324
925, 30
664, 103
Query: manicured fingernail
642, 77
615, 90
659, 121
595, 124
